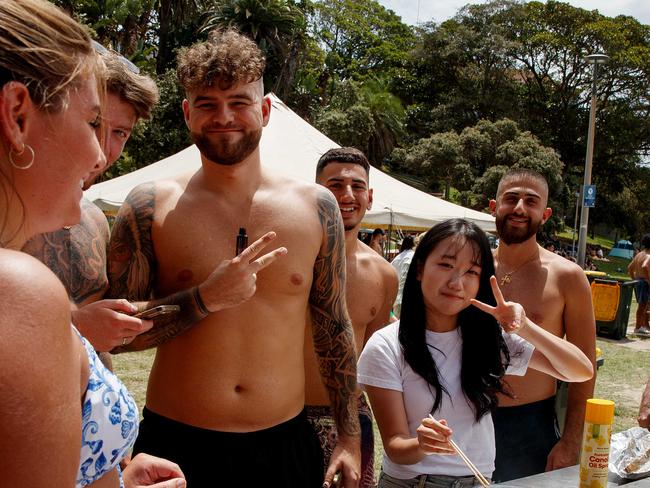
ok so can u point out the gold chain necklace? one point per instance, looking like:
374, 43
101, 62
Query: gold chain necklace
506, 279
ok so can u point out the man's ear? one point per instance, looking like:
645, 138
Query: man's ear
186, 111
369, 199
16, 112
493, 207
266, 110
547, 214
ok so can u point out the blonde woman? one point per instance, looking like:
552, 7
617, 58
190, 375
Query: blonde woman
55, 397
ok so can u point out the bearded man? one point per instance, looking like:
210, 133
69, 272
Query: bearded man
229, 370
555, 294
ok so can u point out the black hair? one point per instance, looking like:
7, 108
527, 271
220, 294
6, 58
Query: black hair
343, 155
485, 355
407, 243
645, 241
378, 232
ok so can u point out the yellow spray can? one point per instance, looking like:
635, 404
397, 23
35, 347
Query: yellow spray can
594, 457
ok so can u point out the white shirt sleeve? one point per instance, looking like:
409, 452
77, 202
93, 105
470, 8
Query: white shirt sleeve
381, 361
520, 353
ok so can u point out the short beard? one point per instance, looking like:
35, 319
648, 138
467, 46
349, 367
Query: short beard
515, 236
224, 152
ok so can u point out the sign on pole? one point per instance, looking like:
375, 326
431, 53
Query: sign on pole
590, 196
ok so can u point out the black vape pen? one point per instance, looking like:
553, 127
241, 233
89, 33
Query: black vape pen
242, 241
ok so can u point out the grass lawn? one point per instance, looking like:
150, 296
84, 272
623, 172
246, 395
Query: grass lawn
567, 235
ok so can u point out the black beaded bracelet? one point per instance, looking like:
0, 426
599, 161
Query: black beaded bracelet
199, 301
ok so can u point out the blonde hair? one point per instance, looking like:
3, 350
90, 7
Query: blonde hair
50, 53
43, 48
225, 59
137, 90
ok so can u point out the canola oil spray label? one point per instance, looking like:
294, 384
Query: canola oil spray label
594, 458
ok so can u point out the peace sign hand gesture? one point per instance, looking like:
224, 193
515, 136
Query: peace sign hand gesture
510, 315
235, 280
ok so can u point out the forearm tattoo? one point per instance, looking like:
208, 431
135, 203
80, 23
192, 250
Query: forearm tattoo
132, 268
167, 327
332, 329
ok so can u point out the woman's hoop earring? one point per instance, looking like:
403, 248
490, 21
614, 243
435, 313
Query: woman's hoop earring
12, 153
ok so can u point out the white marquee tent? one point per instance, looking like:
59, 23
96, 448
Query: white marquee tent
291, 146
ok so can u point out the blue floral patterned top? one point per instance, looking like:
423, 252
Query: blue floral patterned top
109, 422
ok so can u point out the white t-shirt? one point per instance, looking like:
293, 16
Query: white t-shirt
401, 263
382, 365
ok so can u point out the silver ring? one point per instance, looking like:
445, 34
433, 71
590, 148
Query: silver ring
124, 339
255, 276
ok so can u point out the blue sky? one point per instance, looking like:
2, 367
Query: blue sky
413, 11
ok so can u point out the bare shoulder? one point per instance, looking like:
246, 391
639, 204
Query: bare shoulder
567, 273
306, 189
369, 258
93, 212
29, 294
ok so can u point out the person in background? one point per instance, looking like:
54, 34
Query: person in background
436, 373
370, 288
556, 295
377, 241
66, 420
77, 254
639, 269
401, 264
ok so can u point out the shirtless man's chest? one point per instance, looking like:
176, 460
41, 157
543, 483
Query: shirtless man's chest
536, 287
245, 362
192, 235
365, 292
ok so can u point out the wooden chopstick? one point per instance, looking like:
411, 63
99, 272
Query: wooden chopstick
484, 482
477, 474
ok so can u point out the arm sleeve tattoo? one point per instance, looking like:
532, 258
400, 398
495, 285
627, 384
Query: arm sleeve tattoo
332, 329
131, 259
132, 268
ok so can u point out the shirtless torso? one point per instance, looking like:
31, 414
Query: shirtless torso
639, 267
246, 360
555, 295
545, 287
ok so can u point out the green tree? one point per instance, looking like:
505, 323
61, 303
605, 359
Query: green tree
525, 61
360, 38
279, 28
364, 115
473, 161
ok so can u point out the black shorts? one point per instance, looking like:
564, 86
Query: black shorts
286, 455
524, 438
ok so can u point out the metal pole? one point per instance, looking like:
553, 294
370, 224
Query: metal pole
584, 215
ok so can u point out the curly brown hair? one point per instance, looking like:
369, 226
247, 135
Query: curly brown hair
226, 58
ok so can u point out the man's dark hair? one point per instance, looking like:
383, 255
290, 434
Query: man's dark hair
377, 232
522, 174
137, 90
645, 241
343, 155
407, 243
